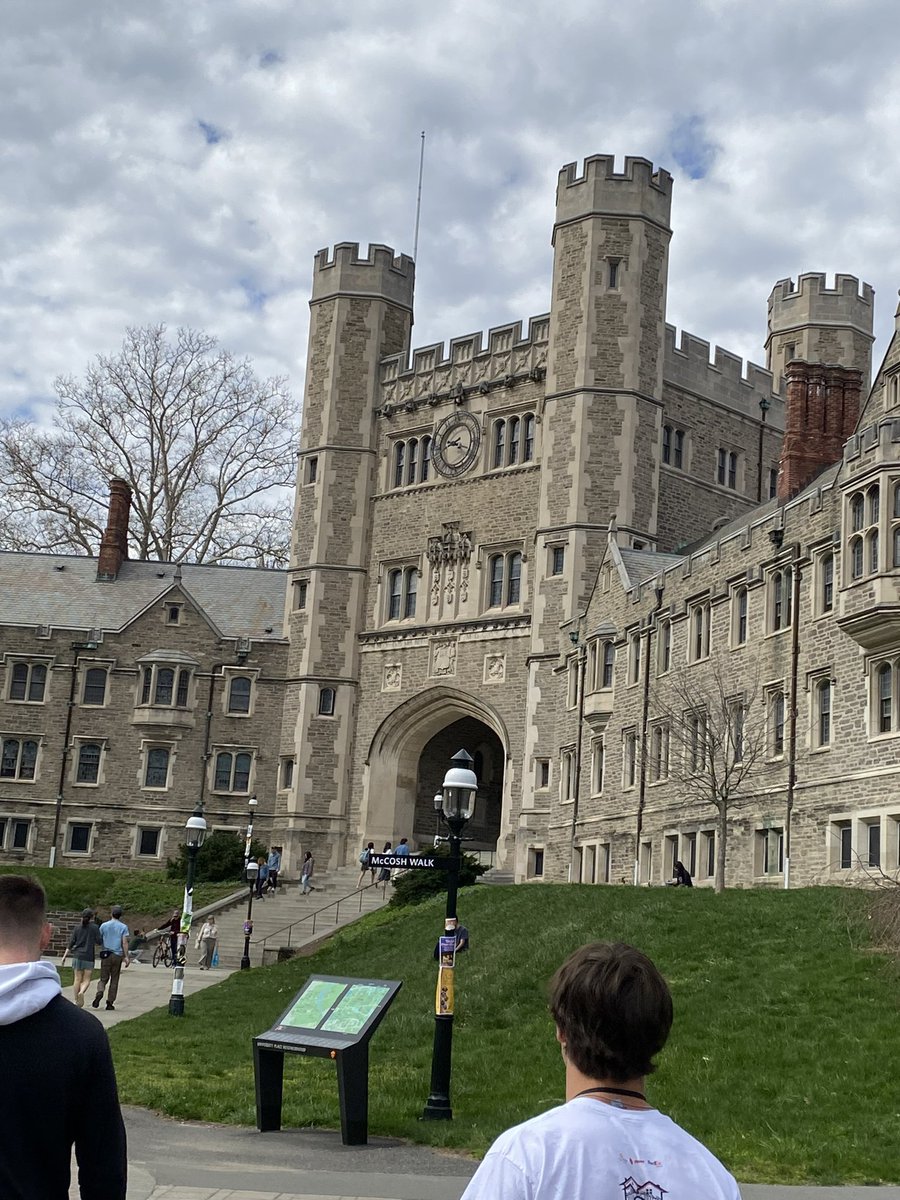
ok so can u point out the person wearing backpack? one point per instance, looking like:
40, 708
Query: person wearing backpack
365, 861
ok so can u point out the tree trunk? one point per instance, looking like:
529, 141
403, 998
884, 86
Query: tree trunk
721, 836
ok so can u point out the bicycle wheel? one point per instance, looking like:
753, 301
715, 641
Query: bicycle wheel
159, 954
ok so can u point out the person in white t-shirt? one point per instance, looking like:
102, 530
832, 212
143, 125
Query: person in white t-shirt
613, 1013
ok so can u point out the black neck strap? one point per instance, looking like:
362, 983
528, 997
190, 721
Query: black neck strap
612, 1092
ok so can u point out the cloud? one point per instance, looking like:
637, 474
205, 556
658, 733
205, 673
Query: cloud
185, 165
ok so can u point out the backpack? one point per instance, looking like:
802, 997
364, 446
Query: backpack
364, 858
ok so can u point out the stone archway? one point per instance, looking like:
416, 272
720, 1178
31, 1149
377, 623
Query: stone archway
409, 756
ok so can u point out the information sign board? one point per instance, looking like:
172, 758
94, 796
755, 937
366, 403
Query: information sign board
330, 1017
414, 862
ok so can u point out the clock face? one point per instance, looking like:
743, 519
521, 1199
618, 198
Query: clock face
455, 445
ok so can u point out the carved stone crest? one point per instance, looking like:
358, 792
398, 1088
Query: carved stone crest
392, 678
443, 657
494, 668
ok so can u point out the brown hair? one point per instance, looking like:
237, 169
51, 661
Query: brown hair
613, 1010
23, 906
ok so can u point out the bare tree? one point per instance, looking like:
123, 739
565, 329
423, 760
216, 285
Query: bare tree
206, 446
715, 739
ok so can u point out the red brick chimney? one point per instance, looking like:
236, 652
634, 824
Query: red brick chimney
114, 543
821, 412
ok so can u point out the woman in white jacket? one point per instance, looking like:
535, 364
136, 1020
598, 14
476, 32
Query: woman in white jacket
207, 938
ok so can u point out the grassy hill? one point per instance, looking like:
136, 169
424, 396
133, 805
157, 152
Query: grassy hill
781, 1057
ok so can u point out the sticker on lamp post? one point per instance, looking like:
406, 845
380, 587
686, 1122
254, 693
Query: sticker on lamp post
443, 998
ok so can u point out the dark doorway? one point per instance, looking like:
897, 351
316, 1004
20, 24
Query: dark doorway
483, 744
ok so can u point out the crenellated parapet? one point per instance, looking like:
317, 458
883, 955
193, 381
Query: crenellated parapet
601, 189
724, 377
381, 272
820, 324
472, 363
812, 296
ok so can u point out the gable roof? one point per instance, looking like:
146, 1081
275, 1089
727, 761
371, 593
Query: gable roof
641, 565
62, 591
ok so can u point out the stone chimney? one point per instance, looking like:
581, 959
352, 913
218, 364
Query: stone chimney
114, 543
821, 412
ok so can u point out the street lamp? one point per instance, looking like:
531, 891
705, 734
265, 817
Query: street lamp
195, 831
457, 806
251, 870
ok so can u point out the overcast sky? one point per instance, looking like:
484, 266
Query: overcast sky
182, 163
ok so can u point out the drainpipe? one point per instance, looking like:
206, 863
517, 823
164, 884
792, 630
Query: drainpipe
582, 665
645, 718
57, 816
763, 409
792, 729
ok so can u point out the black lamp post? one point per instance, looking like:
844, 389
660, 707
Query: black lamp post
196, 832
457, 806
251, 871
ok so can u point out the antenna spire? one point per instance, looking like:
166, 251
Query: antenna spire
415, 253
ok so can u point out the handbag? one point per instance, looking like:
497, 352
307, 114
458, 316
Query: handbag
105, 953
215, 957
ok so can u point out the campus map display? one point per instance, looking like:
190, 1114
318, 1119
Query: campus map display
339, 1006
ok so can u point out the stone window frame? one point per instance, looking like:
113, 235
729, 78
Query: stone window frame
87, 668
401, 572
691, 840
79, 742
673, 451
499, 582
895, 523
601, 665
821, 720
512, 441
147, 746
645, 860
629, 758
326, 701
572, 665
862, 523
892, 389
535, 856
664, 646
706, 854
21, 740
567, 779
695, 725
74, 823
556, 560
234, 753
659, 744
310, 470
183, 686
598, 764
736, 709
30, 662
409, 460
883, 671
729, 469
173, 611
773, 482
148, 827
775, 696
633, 641
768, 849
287, 766
229, 675
740, 616
779, 583
8, 824
823, 594
300, 593
851, 846
699, 630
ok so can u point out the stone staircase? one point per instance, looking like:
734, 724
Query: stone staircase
318, 915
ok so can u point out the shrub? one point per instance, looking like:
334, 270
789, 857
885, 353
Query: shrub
220, 859
412, 887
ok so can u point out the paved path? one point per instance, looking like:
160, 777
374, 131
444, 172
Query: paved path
142, 988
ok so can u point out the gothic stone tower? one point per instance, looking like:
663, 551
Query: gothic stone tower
818, 324
360, 311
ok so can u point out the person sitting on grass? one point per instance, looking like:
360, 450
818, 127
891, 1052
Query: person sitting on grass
136, 946
613, 1013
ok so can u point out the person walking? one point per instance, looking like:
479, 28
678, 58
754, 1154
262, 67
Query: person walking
365, 860
384, 875
613, 1013
402, 848
114, 953
61, 1086
306, 874
262, 878
207, 938
83, 943
274, 865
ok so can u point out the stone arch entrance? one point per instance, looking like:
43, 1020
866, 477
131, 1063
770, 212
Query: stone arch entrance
409, 757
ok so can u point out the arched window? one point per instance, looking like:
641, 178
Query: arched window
165, 686
18, 759
499, 443
678, 460
239, 694
741, 602
495, 595
514, 433
412, 459
873, 500
885, 714
426, 458
827, 582
395, 593
401, 599
856, 558
665, 646
609, 663
667, 444
857, 513
732, 469
514, 579
94, 686
88, 769
504, 579
28, 682
410, 580
156, 774
782, 580
777, 716
823, 712
232, 772
873, 551
160, 684
326, 702
528, 438
399, 463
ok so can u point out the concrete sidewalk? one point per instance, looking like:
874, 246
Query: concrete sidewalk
142, 988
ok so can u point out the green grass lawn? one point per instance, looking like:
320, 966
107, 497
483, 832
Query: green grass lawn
149, 893
781, 1057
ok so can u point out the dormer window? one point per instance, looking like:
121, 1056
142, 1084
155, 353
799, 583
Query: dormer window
173, 614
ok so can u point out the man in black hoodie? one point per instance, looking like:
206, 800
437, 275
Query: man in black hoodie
61, 1087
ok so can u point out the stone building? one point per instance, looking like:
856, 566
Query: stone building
534, 545
128, 692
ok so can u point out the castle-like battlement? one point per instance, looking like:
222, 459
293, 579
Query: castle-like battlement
471, 360
381, 272
638, 190
813, 297
687, 365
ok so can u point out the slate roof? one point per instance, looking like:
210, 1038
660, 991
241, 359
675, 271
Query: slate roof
644, 564
62, 591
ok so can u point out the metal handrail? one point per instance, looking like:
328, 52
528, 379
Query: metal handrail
335, 904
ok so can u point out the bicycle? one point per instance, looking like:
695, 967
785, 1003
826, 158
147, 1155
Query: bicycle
163, 952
